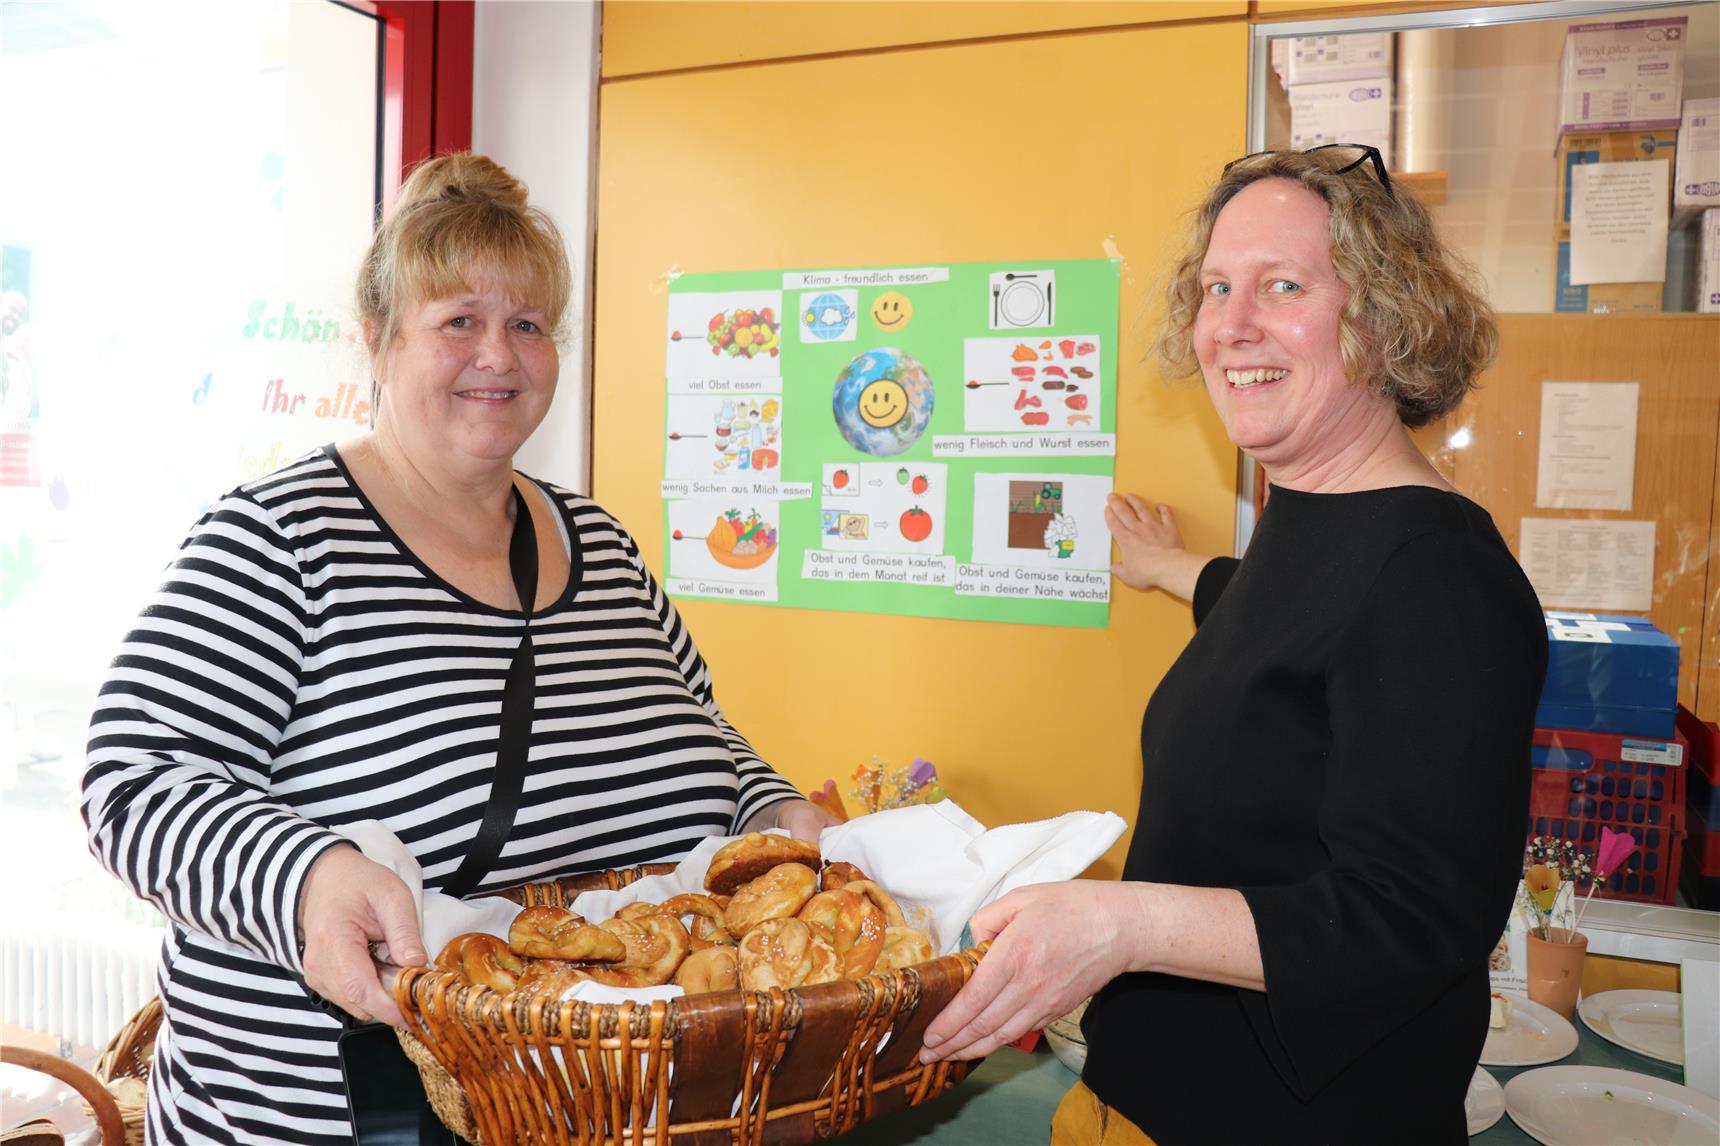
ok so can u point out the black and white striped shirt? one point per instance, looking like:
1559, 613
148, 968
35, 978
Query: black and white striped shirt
300, 668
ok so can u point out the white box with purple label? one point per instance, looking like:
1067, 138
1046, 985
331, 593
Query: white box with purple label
1623, 75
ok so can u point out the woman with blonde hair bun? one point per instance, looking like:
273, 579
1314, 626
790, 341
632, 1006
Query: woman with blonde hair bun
1335, 770
398, 628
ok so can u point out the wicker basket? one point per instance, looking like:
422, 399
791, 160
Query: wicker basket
727, 1068
128, 1056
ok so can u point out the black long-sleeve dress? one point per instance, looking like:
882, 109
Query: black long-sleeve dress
1345, 741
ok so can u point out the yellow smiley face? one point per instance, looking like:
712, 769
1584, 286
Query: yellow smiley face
883, 403
892, 310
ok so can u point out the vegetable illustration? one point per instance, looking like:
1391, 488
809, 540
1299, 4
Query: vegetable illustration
741, 542
916, 524
839, 479
920, 484
902, 476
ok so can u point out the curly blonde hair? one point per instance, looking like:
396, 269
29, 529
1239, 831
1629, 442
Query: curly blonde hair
1416, 323
460, 216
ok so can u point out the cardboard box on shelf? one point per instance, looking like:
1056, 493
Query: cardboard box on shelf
1696, 179
1652, 146
1708, 300
1601, 298
1660, 145
1350, 111
1623, 74
1329, 59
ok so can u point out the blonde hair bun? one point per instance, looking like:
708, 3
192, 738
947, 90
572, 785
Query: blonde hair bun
458, 216
461, 178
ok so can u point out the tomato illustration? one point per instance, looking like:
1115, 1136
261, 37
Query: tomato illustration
920, 484
839, 479
902, 476
916, 524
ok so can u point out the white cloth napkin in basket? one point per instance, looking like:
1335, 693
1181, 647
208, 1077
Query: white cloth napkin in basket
940, 863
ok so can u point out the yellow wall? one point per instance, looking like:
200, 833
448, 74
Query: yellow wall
1047, 146
644, 36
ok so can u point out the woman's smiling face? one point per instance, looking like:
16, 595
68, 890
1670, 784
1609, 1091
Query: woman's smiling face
470, 375
1266, 335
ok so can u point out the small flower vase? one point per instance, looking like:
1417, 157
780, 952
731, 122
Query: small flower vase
1556, 969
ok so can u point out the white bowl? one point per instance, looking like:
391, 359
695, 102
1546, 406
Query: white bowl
1067, 1041
1070, 1052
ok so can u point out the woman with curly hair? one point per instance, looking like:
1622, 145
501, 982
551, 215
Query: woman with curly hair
1335, 770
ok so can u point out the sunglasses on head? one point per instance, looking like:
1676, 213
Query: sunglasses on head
1368, 155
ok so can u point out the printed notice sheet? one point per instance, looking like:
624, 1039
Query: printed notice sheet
1588, 445
1602, 566
1619, 214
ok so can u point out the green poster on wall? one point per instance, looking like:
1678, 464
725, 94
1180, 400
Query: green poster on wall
931, 441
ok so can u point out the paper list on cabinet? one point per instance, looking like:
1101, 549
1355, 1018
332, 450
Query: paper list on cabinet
1588, 445
1604, 566
1619, 214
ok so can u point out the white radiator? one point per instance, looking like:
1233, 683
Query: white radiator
76, 983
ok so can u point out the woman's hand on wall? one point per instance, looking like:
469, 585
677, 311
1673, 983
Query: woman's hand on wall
1052, 945
1150, 547
348, 903
801, 819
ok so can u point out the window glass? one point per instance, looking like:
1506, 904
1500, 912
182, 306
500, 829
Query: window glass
187, 191
1473, 115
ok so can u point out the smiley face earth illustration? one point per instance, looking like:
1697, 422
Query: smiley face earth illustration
892, 310
882, 402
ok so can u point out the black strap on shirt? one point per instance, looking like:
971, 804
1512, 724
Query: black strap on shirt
513, 741
385, 1095
516, 731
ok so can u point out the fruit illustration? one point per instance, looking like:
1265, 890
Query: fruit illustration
839, 479
902, 476
916, 524
741, 542
919, 484
744, 333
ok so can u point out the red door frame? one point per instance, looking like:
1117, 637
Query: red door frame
426, 83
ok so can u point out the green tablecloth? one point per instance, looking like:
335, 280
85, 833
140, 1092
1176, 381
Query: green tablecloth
1009, 1099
